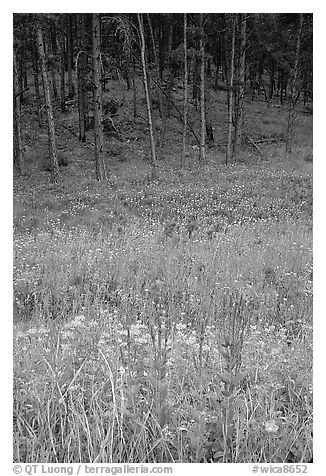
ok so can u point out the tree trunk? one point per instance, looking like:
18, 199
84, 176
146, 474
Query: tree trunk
49, 110
262, 86
52, 62
283, 87
217, 58
98, 125
252, 80
202, 90
157, 68
81, 75
18, 146
62, 70
170, 78
225, 66
168, 91
53, 79
70, 65
161, 47
209, 67
149, 112
293, 92
224, 53
271, 80
230, 96
196, 81
185, 91
152, 39
241, 90
22, 72
35, 60
279, 82
134, 88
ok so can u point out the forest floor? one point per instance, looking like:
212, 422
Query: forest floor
167, 316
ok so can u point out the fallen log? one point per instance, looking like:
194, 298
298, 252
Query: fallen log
254, 144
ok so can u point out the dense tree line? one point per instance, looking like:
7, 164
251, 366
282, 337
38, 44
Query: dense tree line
71, 58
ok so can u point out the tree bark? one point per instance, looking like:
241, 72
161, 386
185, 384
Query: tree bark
152, 39
161, 47
81, 75
293, 91
53, 81
35, 60
134, 88
202, 90
100, 167
53, 60
279, 85
196, 81
22, 71
63, 69
18, 146
185, 91
166, 109
271, 79
70, 65
156, 64
218, 62
241, 90
149, 112
51, 132
225, 65
230, 96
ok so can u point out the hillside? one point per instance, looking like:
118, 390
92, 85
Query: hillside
138, 279
164, 315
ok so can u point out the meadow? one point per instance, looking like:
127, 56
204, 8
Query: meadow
165, 316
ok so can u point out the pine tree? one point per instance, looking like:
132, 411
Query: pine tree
149, 111
48, 104
98, 125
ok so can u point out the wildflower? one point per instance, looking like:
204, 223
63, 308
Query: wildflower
79, 318
19, 334
121, 370
271, 427
67, 334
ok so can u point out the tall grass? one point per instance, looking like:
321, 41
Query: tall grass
175, 326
